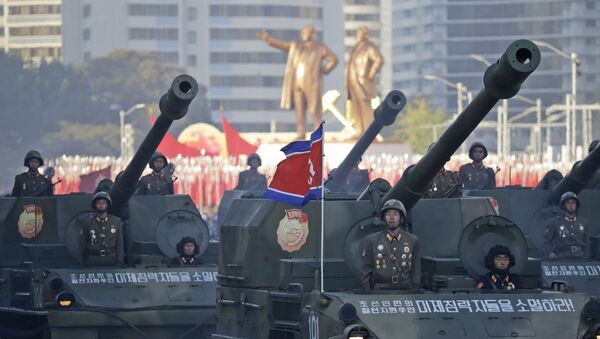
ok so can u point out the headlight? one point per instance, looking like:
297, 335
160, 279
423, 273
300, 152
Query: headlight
347, 313
65, 299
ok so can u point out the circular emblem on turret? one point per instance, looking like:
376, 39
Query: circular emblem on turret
31, 221
293, 230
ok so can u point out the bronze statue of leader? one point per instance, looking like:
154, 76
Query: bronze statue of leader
303, 77
364, 63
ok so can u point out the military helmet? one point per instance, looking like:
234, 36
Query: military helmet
186, 240
254, 156
477, 144
33, 154
566, 196
155, 156
497, 250
393, 204
593, 145
101, 195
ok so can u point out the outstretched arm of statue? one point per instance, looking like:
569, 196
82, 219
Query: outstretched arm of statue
274, 42
332, 61
376, 62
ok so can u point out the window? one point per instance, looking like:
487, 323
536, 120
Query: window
1, 31
251, 34
153, 33
267, 10
246, 81
191, 60
35, 31
590, 23
87, 10
362, 2
152, 10
362, 17
192, 13
590, 41
191, 37
590, 5
86, 34
34, 9
590, 78
171, 57
246, 104
247, 58
1, 10
87, 56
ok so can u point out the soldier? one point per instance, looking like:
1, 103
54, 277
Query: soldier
102, 235
499, 260
364, 63
391, 257
188, 249
356, 181
32, 183
303, 77
251, 180
566, 235
445, 184
476, 176
156, 183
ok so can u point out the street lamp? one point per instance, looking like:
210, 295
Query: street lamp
571, 118
122, 115
459, 86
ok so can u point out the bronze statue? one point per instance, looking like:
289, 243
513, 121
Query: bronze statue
303, 77
363, 65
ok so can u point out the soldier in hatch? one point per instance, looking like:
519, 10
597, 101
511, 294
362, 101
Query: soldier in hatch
476, 176
499, 260
445, 184
102, 235
156, 183
250, 179
32, 183
390, 258
566, 236
188, 249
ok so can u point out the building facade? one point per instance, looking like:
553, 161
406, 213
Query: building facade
433, 37
215, 41
31, 29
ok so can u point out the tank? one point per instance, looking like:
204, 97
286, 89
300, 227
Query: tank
385, 115
275, 286
532, 210
45, 289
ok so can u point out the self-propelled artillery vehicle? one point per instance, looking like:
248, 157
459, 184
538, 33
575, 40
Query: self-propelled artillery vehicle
533, 209
274, 285
46, 291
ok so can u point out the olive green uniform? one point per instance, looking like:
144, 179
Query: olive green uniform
32, 185
477, 177
441, 184
155, 184
567, 237
102, 241
380, 272
250, 180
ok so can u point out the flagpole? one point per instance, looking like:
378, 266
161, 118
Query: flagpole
322, 207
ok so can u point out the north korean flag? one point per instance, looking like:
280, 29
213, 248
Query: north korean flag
298, 177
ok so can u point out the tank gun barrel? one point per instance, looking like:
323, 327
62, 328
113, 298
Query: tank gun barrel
385, 115
502, 80
173, 106
581, 173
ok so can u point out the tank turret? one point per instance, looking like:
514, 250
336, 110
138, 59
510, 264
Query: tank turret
173, 106
502, 80
581, 173
385, 115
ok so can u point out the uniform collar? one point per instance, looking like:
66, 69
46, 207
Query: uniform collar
159, 174
100, 219
569, 218
477, 165
33, 174
390, 237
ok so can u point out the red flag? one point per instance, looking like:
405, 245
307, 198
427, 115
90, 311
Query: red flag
236, 145
298, 177
170, 147
88, 182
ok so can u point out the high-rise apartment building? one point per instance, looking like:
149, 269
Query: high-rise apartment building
213, 40
438, 37
31, 29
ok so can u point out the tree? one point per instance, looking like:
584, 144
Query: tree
85, 139
414, 126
